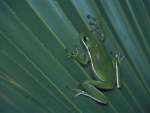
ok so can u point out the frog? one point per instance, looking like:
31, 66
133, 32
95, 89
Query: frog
106, 71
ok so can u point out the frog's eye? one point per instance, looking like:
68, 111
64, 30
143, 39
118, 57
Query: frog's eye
85, 39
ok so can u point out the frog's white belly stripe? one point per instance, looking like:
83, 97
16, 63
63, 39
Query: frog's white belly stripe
93, 66
92, 61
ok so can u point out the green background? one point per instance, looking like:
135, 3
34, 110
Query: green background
34, 71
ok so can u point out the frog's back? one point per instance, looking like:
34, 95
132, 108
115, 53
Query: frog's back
101, 64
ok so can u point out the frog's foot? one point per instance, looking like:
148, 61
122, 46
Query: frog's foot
98, 25
77, 91
119, 56
97, 21
81, 58
93, 23
71, 54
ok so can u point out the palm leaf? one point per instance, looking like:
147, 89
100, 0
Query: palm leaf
34, 71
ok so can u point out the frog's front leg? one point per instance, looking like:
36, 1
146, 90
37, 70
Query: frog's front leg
98, 25
82, 58
116, 61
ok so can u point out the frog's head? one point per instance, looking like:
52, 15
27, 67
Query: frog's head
88, 37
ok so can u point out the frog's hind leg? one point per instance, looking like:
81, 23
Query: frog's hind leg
96, 94
91, 91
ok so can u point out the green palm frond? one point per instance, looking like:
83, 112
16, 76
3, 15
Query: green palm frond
34, 71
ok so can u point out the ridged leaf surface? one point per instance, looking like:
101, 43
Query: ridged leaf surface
34, 71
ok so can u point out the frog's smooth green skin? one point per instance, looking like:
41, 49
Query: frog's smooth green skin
105, 71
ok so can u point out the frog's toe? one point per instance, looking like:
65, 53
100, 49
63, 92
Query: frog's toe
88, 16
111, 52
75, 46
94, 23
66, 50
91, 23
123, 57
68, 57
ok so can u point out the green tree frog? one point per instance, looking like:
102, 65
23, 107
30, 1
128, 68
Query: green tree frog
105, 71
